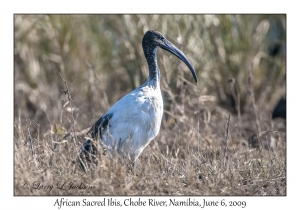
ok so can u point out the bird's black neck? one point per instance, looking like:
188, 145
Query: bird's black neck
154, 72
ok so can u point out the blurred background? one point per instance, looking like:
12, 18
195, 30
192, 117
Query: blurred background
240, 61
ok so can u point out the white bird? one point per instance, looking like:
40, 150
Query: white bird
133, 121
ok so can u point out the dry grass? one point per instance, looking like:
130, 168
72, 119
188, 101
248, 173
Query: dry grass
199, 149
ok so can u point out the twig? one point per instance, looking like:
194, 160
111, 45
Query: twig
67, 92
233, 88
198, 133
29, 138
226, 139
251, 93
38, 136
166, 159
258, 135
79, 133
264, 132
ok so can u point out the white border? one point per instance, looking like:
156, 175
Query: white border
8, 201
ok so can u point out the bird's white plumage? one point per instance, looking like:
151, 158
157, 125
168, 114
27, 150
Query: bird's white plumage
135, 121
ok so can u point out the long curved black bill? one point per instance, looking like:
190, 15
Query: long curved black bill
168, 46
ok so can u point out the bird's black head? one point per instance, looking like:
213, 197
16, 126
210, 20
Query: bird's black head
154, 39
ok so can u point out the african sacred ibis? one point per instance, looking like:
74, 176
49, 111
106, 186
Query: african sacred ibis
132, 122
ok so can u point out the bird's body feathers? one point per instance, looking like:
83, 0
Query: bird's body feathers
132, 122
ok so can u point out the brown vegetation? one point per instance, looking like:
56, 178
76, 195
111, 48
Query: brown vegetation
217, 137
